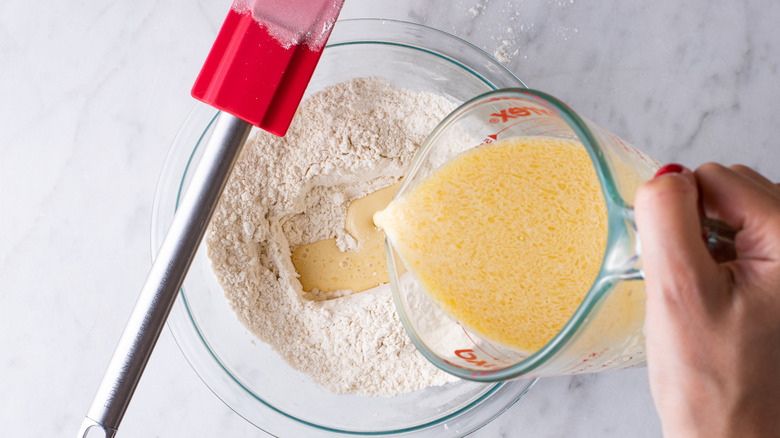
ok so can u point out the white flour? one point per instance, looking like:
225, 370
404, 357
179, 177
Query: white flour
346, 141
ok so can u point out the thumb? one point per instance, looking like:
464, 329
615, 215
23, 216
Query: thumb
674, 256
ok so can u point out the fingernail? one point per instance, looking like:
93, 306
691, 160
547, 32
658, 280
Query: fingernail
669, 168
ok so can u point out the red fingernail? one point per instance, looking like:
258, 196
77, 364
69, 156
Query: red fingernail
669, 168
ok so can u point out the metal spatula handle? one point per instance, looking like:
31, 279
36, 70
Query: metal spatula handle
166, 276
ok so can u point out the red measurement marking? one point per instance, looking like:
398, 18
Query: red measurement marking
480, 348
469, 356
519, 111
493, 137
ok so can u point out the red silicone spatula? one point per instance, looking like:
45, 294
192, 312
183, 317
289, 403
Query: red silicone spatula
263, 59
256, 73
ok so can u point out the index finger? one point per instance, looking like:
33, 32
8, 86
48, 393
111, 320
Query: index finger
674, 256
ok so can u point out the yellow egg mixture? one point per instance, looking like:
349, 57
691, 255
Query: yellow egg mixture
323, 266
507, 237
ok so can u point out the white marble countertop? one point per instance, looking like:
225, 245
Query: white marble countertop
92, 94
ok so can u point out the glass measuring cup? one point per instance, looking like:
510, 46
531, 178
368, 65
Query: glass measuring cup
607, 329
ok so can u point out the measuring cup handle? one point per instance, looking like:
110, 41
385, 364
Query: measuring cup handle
719, 237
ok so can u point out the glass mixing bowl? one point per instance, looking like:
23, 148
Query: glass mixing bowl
246, 373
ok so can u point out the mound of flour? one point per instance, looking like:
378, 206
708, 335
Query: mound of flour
345, 142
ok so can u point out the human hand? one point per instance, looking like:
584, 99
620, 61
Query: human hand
713, 330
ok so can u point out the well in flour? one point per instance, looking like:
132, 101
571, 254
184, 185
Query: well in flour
346, 141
